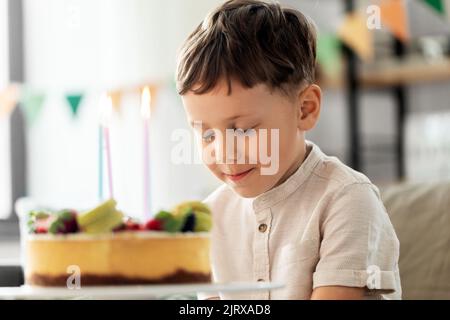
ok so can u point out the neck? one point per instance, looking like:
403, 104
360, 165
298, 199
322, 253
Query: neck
301, 156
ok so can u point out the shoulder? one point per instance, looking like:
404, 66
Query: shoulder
336, 172
337, 180
349, 193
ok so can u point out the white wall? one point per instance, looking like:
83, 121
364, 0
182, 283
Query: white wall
97, 45
5, 169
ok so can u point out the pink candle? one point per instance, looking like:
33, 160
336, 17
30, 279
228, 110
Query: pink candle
100, 163
107, 108
108, 161
146, 114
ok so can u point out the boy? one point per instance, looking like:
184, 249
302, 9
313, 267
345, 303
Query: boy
303, 219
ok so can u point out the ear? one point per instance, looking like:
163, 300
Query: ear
309, 103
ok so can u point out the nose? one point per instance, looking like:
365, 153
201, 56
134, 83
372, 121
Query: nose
235, 150
230, 148
225, 149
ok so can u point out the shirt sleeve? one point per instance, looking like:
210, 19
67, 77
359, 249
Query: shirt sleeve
359, 247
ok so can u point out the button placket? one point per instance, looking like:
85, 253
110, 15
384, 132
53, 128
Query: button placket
261, 266
262, 227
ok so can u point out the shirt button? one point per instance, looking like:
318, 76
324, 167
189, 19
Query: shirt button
262, 227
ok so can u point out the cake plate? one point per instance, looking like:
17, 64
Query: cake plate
171, 291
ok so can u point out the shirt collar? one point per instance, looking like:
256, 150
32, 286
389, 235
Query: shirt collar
284, 190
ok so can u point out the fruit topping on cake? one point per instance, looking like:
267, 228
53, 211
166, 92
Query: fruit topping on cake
190, 216
59, 222
101, 219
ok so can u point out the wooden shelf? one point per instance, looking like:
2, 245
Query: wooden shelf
405, 72
390, 73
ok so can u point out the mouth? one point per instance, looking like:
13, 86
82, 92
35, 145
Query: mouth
238, 176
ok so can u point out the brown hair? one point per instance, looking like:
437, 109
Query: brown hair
250, 41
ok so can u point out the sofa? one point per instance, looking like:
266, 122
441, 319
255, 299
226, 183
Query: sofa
420, 214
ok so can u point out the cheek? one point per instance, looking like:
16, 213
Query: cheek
273, 141
286, 138
288, 132
215, 170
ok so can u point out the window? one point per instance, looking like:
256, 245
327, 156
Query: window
5, 163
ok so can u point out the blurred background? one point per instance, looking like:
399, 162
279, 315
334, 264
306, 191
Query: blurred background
384, 67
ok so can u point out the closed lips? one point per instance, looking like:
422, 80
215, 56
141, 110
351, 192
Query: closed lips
238, 176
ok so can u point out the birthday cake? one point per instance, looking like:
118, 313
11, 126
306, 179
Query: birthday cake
103, 247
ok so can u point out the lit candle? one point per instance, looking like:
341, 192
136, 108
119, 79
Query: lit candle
106, 112
100, 163
146, 114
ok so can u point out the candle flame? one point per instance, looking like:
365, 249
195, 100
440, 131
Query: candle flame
106, 109
146, 101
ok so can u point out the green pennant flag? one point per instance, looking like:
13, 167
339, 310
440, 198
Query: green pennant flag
31, 103
425, 21
74, 101
329, 53
436, 5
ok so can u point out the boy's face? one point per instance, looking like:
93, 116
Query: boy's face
265, 156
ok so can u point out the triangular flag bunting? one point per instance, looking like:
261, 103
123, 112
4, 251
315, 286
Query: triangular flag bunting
329, 53
393, 16
31, 103
355, 34
74, 101
436, 5
8, 100
424, 21
116, 98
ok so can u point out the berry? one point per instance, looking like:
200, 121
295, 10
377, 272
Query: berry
119, 228
63, 222
69, 219
40, 230
189, 223
154, 224
39, 221
132, 225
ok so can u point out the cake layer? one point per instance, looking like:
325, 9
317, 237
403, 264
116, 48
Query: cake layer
179, 276
126, 257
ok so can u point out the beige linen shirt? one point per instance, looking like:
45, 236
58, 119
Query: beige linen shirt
324, 226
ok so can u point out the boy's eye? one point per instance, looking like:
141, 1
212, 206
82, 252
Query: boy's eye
208, 135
